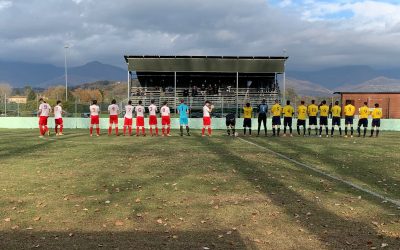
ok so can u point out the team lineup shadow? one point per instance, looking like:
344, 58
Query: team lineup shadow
335, 164
122, 240
338, 232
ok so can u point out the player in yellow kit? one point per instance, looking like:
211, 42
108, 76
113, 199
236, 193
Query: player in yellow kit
312, 110
336, 118
301, 118
288, 112
276, 111
349, 111
323, 118
376, 120
363, 119
247, 115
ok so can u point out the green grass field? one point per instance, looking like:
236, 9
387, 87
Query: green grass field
77, 192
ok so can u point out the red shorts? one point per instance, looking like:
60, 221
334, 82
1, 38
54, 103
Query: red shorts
153, 120
94, 119
206, 121
59, 121
140, 121
165, 120
113, 119
43, 120
128, 121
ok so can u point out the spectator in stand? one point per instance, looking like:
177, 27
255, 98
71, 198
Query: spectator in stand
216, 90
185, 92
194, 91
209, 89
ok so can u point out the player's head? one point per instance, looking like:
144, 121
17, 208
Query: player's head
287, 102
129, 102
323, 102
207, 103
113, 101
58, 102
348, 102
140, 102
376, 105
165, 103
312, 101
337, 103
276, 101
248, 104
302, 102
182, 101
152, 101
94, 101
366, 103
41, 100
263, 101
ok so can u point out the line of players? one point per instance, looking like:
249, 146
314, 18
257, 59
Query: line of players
183, 110
139, 110
311, 111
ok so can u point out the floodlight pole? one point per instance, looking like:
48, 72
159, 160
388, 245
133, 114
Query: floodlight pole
129, 82
175, 91
284, 78
237, 94
5, 104
66, 47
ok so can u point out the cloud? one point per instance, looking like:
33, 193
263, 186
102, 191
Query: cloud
315, 33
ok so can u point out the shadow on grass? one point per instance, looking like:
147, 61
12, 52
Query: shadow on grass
335, 231
360, 168
123, 240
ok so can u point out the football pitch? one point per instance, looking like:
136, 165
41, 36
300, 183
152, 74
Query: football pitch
220, 192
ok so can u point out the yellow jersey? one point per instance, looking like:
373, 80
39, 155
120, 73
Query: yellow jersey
247, 112
324, 110
288, 111
312, 110
336, 111
301, 112
377, 113
276, 110
349, 110
364, 112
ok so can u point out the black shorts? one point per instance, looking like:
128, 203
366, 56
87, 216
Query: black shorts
287, 121
247, 123
276, 120
262, 117
312, 120
301, 123
323, 121
336, 121
376, 123
348, 120
363, 122
230, 123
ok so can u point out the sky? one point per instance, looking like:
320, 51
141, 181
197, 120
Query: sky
314, 34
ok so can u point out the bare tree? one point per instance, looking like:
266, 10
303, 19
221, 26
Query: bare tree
5, 90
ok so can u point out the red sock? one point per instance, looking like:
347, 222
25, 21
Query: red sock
130, 130
56, 129
116, 130
156, 131
98, 130
61, 128
163, 130
151, 131
46, 129
41, 130
109, 130
137, 130
143, 131
209, 131
203, 131
91, 130
168, 130
124, 130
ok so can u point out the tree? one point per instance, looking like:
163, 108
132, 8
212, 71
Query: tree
29, 93
5, 90
291, 94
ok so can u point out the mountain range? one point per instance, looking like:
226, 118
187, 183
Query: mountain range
310, 83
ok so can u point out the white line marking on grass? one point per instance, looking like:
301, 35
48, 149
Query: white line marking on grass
393, 201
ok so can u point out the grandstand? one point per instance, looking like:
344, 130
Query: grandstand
227, 81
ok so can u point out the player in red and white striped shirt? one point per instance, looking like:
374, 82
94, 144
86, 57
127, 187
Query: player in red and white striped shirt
207, 109
94, 118
58, 111
153, 117
128, 117
139, 109
113, 110
165, 119
43, 113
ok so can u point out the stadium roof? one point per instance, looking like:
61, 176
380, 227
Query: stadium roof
221, 64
